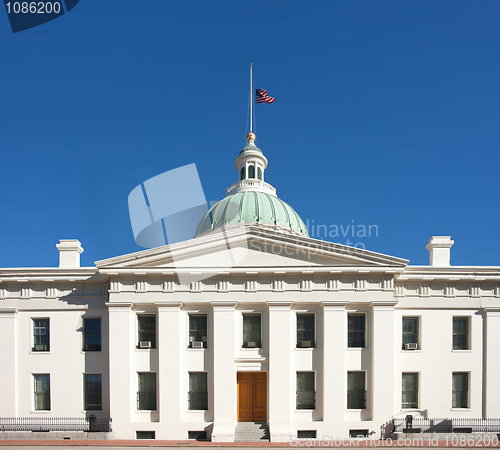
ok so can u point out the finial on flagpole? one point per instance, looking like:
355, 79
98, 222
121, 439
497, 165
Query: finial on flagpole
250, 138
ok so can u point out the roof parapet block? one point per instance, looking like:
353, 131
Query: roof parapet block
439, 250
69, 253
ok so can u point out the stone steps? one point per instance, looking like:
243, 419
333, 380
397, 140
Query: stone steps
251, 432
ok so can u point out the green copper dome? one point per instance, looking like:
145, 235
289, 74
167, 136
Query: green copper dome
252, 207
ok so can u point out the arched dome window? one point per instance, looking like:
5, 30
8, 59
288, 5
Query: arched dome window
242, 175
251, 171
259, 173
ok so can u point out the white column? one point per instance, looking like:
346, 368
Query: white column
491, 387
8, 374
382, 376
282, 379
169, 372
223, 375
122, 390
334, 373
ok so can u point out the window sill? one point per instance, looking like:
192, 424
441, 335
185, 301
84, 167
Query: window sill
45, 352
143, 411
460, 409
250, 348
196, 349
411, 351
355, 410
305, 410
305, 348
48, 411
410, 410
356, 349
461, 351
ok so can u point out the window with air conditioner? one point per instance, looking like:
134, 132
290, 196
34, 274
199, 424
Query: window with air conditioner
305, 330
146, 328
411, 336
41, 335
252, 331
198, 331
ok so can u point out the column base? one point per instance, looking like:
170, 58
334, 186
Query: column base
280, 432
223, 433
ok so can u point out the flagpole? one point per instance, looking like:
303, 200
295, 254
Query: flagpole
251, 100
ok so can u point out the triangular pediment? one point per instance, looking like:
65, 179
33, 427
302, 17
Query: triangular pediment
251, 247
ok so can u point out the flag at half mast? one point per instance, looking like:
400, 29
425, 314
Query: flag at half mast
262, 97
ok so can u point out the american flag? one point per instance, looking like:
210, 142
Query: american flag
262, 97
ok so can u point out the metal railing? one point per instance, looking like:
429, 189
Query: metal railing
89, 424
411, 424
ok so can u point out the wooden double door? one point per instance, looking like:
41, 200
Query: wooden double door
252, 396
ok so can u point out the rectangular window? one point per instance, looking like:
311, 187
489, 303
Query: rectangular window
251, 331
305, 330
197, 331
145, 435
306, 395
356, 328
460, 333
306, 434
410, 333
409, 396
460, 390
353, 434
356, 390
42, 391
93, 392
146, 327
41, 335
146, 396
91, 335
198, 393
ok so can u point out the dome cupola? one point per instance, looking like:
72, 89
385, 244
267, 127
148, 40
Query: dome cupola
251, 200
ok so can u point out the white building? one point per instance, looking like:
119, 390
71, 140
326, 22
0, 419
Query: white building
250, 321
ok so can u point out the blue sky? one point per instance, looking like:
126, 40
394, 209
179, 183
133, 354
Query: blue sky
387, 113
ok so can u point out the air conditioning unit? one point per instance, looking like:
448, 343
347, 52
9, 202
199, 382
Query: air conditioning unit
197, 344
145, 344
39, 347
411, 346
250, 344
